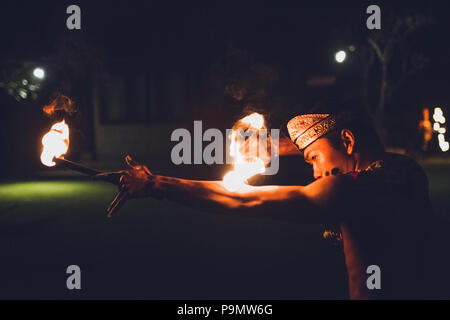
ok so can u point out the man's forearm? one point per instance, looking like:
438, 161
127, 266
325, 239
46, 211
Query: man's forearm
203, 193
276, 202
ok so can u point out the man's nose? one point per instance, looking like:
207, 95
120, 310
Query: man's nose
317, 175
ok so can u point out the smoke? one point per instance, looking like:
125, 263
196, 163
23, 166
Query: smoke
248, 80
60, 103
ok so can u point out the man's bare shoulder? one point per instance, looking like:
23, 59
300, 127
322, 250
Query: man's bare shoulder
328, 193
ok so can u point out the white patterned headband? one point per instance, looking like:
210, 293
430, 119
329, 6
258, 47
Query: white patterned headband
307, 128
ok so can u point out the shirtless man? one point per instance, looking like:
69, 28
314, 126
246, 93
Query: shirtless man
376, 202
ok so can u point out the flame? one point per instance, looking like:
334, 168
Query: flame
255, 120
245, 166
55, 143
49, 109
61, 102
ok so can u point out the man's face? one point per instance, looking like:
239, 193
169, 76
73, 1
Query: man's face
326, 160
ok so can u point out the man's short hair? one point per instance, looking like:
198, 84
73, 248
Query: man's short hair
367, 139
348, 116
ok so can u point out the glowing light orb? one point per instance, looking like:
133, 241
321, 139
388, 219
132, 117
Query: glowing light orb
39, 73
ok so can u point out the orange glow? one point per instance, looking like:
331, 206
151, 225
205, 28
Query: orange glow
50, 109
61, 102
245, 165
55, 143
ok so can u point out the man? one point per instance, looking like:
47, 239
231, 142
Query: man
377, 202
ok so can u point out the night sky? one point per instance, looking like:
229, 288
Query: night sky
183, 35
187, 36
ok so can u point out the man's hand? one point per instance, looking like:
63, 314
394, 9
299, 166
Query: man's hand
133, 183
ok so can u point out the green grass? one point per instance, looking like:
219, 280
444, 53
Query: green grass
24, 200
50, 191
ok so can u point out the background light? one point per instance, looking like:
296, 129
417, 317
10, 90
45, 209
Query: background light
23, 94
39, 73
438, 116
340, 56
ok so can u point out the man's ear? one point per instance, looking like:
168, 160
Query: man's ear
348, 140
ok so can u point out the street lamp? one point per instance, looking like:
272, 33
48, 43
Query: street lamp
39, 73
340, 56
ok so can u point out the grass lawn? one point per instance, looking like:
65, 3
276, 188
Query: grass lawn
154, 249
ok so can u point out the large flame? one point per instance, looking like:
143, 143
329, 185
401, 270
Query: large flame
55, 143
245, 165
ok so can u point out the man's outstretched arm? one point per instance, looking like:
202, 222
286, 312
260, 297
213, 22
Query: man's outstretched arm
314, 203
302, 204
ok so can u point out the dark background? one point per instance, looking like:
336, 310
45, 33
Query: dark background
269, 50
204, 54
